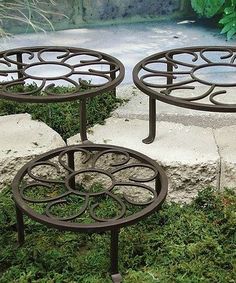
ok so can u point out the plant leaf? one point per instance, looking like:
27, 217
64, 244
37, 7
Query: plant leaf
230, 33
207, 8
228, 18
228, 27
229, 10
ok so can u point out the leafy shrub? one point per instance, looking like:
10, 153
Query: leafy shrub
226, 9
229, 20
207, 8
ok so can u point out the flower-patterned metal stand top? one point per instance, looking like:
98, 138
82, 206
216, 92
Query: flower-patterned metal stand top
90, 187
163, 75
33, 74
87, 72
201, 78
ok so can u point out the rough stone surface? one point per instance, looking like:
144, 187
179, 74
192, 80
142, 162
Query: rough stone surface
67, 14
225, 138
22, 139
112, 9
188, 154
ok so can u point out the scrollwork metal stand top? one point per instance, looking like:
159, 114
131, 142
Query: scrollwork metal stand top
32, 74
89, 188
69, 188
201, 78
174, 77
74, 67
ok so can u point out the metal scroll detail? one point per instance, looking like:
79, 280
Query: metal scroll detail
191, 77
49, 67
77, 184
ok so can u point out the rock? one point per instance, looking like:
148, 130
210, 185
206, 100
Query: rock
138, 107
113, 9
21, 140
188, 153
225, 139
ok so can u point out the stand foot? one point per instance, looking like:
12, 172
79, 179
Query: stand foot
115, 275
152, 121
116, 278
149, 139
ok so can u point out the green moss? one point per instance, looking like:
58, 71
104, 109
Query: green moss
181, 243
64, 117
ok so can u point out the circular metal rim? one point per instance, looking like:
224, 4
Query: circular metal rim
98, 226
176, 101
64, 98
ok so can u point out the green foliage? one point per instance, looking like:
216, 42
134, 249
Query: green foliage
64, 117
29, 12
225, 8
229, 21
194, 243
207, 8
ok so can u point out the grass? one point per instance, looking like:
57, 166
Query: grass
63, 117
189, 243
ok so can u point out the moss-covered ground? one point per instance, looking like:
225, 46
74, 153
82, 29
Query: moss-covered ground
189, 243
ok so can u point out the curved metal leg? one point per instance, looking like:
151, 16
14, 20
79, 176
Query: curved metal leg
83, 120
113, 76
152, 121
20, 226
71, 164
170, 69
115, 275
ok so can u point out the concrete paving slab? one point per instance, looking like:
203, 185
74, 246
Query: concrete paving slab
22, 139
188, 154
225, 139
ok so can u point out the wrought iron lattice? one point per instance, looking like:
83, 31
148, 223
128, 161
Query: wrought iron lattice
74, 67
186, 77
32, 74
124, 168
167, 75
107, 169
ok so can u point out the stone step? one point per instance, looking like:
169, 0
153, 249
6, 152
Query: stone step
137, 108
21, 139
193, 157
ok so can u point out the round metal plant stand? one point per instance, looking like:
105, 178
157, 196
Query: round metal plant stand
186, 77
69, 188
86, 73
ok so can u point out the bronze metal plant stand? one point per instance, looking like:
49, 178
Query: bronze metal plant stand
165, 76
52, 184
75, 68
